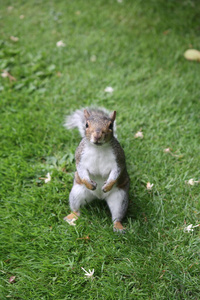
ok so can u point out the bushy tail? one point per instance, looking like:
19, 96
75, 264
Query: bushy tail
77, 119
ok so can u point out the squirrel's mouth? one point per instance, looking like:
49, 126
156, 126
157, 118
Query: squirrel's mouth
98, 143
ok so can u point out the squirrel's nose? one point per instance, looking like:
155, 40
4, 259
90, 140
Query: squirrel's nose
97, 135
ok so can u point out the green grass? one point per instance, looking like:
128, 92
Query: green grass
139, 48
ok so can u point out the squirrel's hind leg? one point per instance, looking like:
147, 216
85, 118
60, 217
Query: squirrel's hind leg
118, 204
78, 197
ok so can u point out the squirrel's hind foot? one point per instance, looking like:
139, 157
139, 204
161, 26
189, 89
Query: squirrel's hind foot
118, 227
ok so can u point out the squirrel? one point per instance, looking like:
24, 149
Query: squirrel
100, 165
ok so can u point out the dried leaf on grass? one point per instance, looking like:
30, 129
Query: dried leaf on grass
70, 221
9, 8
192, 54
5, 74
14, 38
169, 150
46, 179
93, 58
85, 238
12, 279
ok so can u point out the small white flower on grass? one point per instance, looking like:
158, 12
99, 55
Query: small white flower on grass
48, 178
149, 186
139, 134
192, 181
60, 44
119, 1
21, 17
190, 228
88, 274
14, 38
109, 89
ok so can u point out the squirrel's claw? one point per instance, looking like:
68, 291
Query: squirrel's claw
108, 186
120, 231
104, 189
92, 185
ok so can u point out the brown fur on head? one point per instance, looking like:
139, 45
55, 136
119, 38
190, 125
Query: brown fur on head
99, 127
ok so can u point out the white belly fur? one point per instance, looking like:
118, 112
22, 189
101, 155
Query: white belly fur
99, 161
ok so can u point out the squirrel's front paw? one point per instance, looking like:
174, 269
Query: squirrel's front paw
92, 185
108, 186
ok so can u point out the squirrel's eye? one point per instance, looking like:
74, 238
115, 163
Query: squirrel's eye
86, 125
111, 126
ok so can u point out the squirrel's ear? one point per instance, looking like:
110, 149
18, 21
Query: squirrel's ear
86, 114
113, 116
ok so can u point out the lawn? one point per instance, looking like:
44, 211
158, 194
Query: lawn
135, 47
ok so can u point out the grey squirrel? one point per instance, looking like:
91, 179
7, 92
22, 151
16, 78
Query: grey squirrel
100, 165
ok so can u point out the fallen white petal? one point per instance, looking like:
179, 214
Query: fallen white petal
48, 178
60, 44
139, 134
89, 273
109, 89
4, 74
191, 181
188, 228
167, 150
149, 185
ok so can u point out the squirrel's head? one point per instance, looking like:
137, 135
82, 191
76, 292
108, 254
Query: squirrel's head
99, 127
